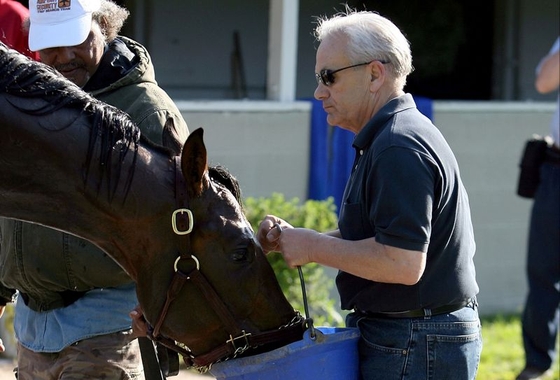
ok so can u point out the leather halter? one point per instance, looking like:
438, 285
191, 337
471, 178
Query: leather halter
239, 340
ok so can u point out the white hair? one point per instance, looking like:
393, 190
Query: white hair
370, 37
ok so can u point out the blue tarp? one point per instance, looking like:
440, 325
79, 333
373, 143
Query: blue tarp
332, 154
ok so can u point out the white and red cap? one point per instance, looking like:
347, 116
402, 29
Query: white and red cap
56, 23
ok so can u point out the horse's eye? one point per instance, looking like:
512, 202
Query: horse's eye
239, 255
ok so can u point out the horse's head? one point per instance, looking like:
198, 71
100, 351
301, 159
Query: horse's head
225, 286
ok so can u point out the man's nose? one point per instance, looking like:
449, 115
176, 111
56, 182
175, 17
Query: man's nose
57, 56
320, 92
65, 54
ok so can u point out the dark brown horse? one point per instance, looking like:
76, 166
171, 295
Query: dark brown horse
75, 164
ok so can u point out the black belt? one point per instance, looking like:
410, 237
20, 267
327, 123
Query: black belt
446, 309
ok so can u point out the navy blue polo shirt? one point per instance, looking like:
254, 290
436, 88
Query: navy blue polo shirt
405, 190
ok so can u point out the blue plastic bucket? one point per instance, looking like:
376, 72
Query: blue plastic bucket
333, 354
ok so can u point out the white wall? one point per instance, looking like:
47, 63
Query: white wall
264, 144
488, 138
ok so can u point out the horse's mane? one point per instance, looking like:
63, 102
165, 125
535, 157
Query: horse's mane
28, 79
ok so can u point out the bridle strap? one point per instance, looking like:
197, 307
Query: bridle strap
231, 326
175, 287
239, 340
180, 277
229, 349
181, 221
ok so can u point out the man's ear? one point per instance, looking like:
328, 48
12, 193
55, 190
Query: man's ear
103, 25
377, 75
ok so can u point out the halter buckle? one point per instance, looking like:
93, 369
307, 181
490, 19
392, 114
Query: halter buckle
239, 350
181, 211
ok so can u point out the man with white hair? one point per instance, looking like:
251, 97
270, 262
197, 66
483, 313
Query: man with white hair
72, 317
405, 246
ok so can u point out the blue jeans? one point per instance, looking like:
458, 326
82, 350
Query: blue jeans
541, 314
439, 347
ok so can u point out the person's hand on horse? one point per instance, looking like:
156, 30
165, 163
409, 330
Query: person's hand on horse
295, 244
269, 232
139, 324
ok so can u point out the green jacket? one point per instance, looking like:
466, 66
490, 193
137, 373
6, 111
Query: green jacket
52, 269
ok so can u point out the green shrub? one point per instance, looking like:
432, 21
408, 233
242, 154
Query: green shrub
317, 215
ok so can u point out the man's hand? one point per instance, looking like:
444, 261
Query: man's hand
269, 232
139, 324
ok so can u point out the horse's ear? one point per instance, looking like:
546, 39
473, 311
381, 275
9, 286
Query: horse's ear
194, 163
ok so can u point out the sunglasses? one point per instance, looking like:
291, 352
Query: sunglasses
326, 76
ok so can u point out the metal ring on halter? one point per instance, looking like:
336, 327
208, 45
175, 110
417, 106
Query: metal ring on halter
192, 257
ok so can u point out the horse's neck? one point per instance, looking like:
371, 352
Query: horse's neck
42, 181
124, 228
137, 228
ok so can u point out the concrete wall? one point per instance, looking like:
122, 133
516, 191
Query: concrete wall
266, 145
488, 139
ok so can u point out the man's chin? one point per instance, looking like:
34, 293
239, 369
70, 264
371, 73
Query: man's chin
331, 120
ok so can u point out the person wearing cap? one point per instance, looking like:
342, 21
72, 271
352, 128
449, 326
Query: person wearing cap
72, 315
404, 246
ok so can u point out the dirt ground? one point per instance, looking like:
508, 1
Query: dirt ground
7, 366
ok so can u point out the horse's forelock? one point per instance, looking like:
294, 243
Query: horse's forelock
226, 179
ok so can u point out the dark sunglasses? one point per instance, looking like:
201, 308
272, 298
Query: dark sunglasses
326, 76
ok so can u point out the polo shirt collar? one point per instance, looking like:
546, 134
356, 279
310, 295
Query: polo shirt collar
371, 129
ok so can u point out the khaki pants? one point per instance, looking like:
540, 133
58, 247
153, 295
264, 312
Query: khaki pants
110, 357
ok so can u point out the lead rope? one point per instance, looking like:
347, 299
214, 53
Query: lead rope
308, 319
